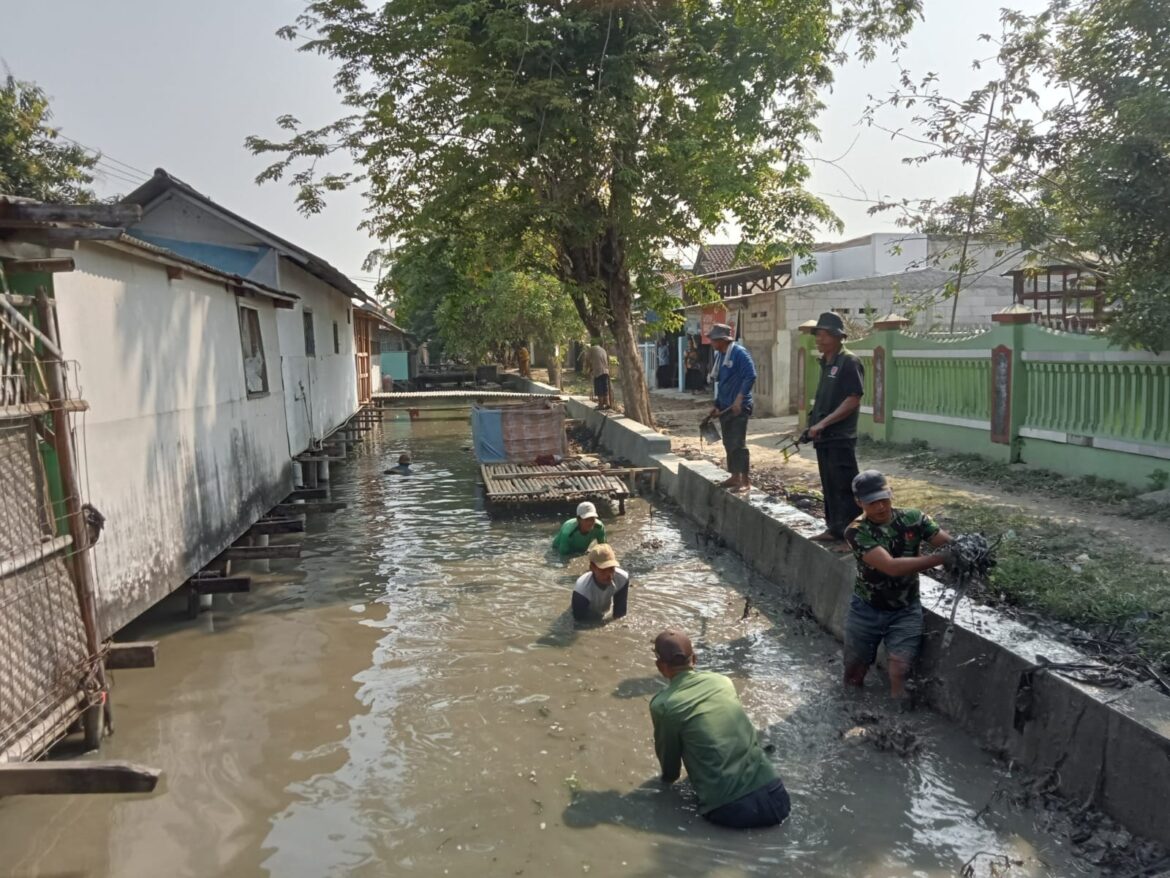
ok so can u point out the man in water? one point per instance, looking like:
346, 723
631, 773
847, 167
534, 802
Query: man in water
605, 585
832, 424
885, 606
578, 534
733, 403
699, 723
403, 468
597, 361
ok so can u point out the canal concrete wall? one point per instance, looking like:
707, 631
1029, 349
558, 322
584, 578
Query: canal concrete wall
1104, 746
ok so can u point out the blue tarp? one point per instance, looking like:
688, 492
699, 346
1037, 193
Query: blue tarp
487, 432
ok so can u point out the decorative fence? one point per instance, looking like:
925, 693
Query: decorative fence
1017, 392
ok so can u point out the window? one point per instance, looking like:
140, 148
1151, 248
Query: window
310, 338
336, 339
255, 371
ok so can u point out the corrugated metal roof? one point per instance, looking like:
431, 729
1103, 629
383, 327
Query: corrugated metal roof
162, 182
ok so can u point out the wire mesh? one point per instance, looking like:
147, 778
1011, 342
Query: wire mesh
47, 676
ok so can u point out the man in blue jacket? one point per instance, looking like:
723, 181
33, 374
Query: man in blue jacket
733, 403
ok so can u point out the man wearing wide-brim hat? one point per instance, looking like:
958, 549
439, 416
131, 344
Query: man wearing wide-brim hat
733, 403
832, 424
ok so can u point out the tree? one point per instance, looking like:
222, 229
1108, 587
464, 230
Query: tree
1072, 139
34, 161
608, 130
448, 290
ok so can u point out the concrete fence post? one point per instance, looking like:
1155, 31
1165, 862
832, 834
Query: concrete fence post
885, 374
1009, 388
807, 373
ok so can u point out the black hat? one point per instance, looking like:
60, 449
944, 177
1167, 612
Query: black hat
831, 322
869, 486
673, 647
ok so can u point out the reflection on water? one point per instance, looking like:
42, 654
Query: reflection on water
411, 697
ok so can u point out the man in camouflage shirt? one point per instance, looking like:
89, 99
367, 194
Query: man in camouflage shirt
885, 606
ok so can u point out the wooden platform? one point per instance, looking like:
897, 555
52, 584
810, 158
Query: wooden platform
566, 482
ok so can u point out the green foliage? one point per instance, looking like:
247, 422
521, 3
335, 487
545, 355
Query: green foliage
1159, 479
604, 132
449, 291
1073, 138
34, 161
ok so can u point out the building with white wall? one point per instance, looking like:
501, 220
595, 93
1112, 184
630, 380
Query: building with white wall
184, 444
319, 359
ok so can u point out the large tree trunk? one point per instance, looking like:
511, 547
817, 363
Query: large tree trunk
620, 298
635, 395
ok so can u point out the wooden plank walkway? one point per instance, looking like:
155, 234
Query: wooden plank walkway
566, 481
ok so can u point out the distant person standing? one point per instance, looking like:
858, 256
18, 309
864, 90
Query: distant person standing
833, 425
597, 361
578, 534
605, 585
733, 403
664, 369
522, 361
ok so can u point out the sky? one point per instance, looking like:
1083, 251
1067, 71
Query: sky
179, 85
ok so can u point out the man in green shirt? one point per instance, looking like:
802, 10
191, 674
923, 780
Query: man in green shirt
578, 534
699, 723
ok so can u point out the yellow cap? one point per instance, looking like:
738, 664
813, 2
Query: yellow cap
601, 555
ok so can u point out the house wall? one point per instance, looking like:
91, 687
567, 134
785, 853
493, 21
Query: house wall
320, 391
985, 295
172, 451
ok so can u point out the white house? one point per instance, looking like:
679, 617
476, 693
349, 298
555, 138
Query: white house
318, 361
184, 445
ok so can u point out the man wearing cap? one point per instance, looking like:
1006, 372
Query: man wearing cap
699, 723
733, 403
577, 534
832, 424
885, 606
605, 585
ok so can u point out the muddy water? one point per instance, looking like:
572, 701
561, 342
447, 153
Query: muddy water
411, 698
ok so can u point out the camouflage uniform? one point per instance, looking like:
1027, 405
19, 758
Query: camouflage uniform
886, 607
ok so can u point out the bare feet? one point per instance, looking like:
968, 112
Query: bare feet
825, 537
742, 487
729, 483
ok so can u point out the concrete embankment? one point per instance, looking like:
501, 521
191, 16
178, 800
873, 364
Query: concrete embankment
1107, 747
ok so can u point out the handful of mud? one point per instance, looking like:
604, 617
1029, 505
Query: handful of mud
885, 734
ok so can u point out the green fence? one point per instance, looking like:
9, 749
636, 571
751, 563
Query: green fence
1017, 392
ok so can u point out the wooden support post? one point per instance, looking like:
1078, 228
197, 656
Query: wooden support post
47, 266
83, 579
309, 474
220, 584
61, 777
141, 654
251, 553
309, 494
323, 472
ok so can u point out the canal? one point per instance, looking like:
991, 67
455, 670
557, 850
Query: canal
410, 697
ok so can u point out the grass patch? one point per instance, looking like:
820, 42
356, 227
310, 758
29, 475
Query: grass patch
1014, 478
1069, 574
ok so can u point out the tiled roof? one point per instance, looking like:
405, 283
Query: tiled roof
715, 257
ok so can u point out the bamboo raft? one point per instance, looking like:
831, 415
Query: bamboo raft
569, 481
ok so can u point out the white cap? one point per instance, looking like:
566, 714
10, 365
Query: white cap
587, 510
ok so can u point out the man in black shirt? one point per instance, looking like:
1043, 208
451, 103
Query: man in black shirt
833, 425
